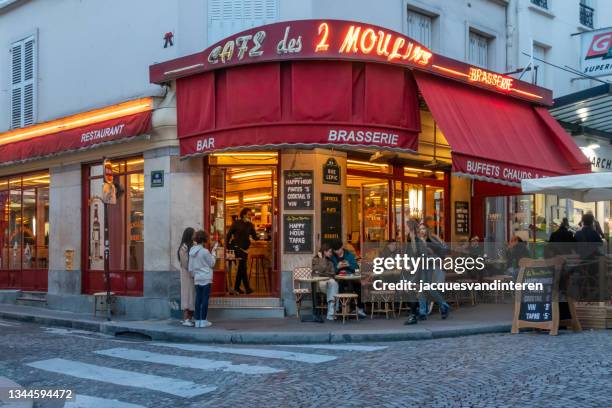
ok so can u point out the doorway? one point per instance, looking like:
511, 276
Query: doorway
232, 188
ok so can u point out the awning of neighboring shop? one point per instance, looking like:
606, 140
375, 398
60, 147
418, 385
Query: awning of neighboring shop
587, 111
298, 104
497, 138
77, 132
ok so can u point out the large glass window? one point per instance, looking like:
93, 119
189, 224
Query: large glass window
126, 228
24, 231
381, 198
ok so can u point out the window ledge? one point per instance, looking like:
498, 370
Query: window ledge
542, 11
583, 28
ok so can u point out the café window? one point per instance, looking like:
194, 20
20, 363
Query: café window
126, 227
24, 231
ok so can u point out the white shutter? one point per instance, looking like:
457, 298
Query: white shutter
478, 50
23, 83
227, 17
419, 27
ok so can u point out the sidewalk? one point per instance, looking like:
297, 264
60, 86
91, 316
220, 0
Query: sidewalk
486, 318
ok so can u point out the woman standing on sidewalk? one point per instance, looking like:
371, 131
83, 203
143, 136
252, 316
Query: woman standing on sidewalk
187, 286
436, 249
201, 263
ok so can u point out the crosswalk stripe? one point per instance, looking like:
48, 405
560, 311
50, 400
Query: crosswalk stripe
7, 324
187, 362
180, 388
264, 353
337, 347
86, 401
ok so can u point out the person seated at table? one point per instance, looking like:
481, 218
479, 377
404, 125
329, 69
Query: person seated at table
345, 263
322, 265
517, 249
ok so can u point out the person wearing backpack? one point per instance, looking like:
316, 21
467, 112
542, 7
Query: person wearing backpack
201, 263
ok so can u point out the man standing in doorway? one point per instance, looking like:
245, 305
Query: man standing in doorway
238, 238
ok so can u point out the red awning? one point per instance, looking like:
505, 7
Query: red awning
302, 103
498, 138
76, 138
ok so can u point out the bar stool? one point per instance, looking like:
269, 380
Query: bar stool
258, 266
344, 301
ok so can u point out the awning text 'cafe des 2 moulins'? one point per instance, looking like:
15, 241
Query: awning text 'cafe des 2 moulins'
337, 129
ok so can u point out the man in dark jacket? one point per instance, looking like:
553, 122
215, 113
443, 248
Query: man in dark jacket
588, 233
239, 238
562, 234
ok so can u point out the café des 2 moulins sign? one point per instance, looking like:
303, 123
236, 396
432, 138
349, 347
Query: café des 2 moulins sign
331, 172
339, 40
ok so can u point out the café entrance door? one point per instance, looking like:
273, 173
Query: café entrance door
230, 190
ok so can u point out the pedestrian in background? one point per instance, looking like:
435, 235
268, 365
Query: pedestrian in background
201, 263
187, 286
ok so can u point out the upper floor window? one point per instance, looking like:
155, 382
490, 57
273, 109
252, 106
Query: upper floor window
420, 27
541, 3
539, 75
227, 17
478, 49
586, 13
23, 82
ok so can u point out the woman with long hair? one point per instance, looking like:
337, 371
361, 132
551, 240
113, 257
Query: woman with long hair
436, 249
187, 285
414, 248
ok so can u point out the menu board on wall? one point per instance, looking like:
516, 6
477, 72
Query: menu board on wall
297, 233
331, 216
298, 189
462, 217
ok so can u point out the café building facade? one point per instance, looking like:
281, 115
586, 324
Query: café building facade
324, 128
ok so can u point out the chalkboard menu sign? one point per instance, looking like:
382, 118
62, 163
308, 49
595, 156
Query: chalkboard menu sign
539, 308
536, 306
297, 233
331, 216
331, 172
462, 217
298, 190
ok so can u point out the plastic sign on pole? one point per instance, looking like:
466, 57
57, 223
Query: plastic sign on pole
109, 191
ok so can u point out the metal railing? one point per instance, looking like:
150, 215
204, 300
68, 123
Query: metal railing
586, 15
540, 3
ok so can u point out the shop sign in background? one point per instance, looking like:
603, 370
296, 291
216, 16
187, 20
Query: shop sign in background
331, 216
596, 53
331, 172
298, 189
297, 233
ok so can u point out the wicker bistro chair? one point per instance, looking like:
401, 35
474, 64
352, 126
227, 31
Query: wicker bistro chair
299, 292
383, 302
342, 301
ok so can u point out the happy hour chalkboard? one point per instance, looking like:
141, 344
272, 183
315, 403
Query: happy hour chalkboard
297, 233
331, 216
298, 190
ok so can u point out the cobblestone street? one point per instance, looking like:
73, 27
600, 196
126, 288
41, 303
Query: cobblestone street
530, 369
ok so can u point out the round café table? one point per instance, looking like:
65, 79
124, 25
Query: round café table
314, 284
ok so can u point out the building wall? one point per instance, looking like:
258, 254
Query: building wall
553, 29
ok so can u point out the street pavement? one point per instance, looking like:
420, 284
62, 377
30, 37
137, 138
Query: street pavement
493, 370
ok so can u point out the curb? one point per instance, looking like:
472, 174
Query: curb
276, 337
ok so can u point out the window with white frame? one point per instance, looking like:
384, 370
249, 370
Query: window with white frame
420, 27
23, 82
539, 76
478, 49
227, 17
